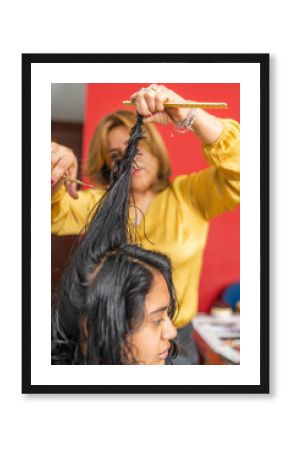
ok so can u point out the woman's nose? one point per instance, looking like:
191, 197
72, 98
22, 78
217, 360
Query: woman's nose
169, 330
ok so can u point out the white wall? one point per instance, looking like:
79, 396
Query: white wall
67, 102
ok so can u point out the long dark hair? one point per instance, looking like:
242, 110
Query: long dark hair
101, 297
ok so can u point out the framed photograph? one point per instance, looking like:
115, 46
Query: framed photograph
234, 249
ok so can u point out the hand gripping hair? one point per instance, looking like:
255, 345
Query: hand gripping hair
100, 300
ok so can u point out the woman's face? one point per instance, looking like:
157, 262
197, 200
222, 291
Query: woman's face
151, 341
145, 176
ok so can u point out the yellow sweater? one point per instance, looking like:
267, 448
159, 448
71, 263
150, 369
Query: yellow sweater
177, 219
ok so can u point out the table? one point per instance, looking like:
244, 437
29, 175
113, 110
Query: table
217, 338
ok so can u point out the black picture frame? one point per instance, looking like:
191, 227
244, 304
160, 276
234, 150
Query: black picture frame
263, 61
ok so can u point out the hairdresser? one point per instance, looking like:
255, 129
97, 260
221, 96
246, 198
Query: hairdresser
169, 216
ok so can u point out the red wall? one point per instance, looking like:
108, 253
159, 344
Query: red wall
222, 254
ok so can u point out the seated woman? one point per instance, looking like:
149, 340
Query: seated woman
116, 300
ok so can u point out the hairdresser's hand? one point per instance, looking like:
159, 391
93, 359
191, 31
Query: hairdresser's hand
63, 162
150, 101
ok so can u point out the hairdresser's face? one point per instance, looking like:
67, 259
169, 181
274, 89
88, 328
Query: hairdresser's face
150, 342
145, 176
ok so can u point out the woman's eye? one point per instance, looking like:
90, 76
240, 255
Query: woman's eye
115, 156
157, 322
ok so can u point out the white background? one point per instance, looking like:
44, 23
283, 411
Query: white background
204, 421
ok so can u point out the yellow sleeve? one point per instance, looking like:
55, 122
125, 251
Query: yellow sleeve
70, 216
217, 189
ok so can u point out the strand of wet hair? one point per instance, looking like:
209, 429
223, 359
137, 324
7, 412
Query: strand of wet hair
144, 227
120, 183
110, 227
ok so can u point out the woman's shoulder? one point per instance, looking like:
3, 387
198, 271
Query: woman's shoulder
182, 182
87, 199
176, 183
177, 189
94, 194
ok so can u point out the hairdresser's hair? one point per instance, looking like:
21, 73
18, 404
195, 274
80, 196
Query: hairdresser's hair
97, 167
101, 298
